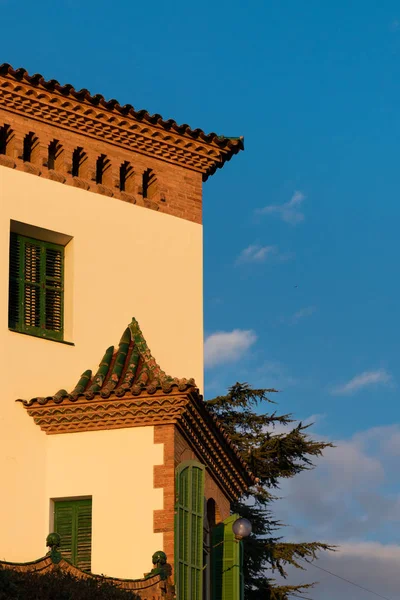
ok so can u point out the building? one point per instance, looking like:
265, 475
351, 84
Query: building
101, 210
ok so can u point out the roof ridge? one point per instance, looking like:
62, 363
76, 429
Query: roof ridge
83, 95
129, 368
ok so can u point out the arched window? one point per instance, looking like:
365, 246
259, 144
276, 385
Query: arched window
55, 156
79, 163
189, 530
150, 187
103, 171
126, 178
6, 135
30, 151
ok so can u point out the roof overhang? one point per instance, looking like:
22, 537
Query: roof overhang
107, 120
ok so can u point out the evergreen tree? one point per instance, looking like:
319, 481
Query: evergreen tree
271, 457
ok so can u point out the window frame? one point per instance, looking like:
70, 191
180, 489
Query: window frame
44, 284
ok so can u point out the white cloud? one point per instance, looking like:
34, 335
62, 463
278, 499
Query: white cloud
276, 375
289, 211
371, 565
227, 346
351, 499
256, 253
307, 311
363, 380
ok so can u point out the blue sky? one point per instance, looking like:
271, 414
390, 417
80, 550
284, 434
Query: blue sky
301, 230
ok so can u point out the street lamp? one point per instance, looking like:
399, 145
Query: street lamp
241, 528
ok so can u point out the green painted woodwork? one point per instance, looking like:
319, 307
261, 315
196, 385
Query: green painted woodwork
102, 371
131, 365
226, 562
82, 383
189, 530
36, 287
120, 359
73, 522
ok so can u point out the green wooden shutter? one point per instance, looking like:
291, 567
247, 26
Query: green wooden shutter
73, 521
54, 275
64, 526
32, 288
189, 531
36, 292
84, 534
226, 566
14, 282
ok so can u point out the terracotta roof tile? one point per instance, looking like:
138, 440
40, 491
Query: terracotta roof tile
230, 145
128, 368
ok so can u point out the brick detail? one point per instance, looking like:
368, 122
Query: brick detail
177, 449
178, 191
184, 451
164, 477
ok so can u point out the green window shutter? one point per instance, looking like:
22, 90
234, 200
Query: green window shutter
73, 522
226, 565
64, 526
32, 297
189, 531
14, 286
54, 276
36, 287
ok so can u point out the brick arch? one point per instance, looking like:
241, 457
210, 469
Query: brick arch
55, 158
126, 178
150, 185
30, 151
6, 140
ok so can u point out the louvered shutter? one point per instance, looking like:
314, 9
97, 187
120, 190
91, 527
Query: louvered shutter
73, 521
189, 531
14, 286
64, 526
226, 565
32, 284
53, 301
83, 535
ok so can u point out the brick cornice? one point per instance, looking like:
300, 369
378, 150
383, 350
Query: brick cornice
184, 409
132, 130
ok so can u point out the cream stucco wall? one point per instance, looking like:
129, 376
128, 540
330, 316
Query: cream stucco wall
115, 468
123, 261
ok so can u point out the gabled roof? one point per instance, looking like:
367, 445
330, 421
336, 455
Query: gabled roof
130, 368
129, 389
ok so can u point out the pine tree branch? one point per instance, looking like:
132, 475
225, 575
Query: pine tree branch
271, 457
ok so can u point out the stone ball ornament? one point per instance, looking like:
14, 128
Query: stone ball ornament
159, 558
53, 540
241, 528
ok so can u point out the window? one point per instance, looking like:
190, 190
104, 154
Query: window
31, 148
189, 530
36, 287
73, 522
55, 156
126, 178
226, 562
103, 171
79, 163
149, 184
6, 137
